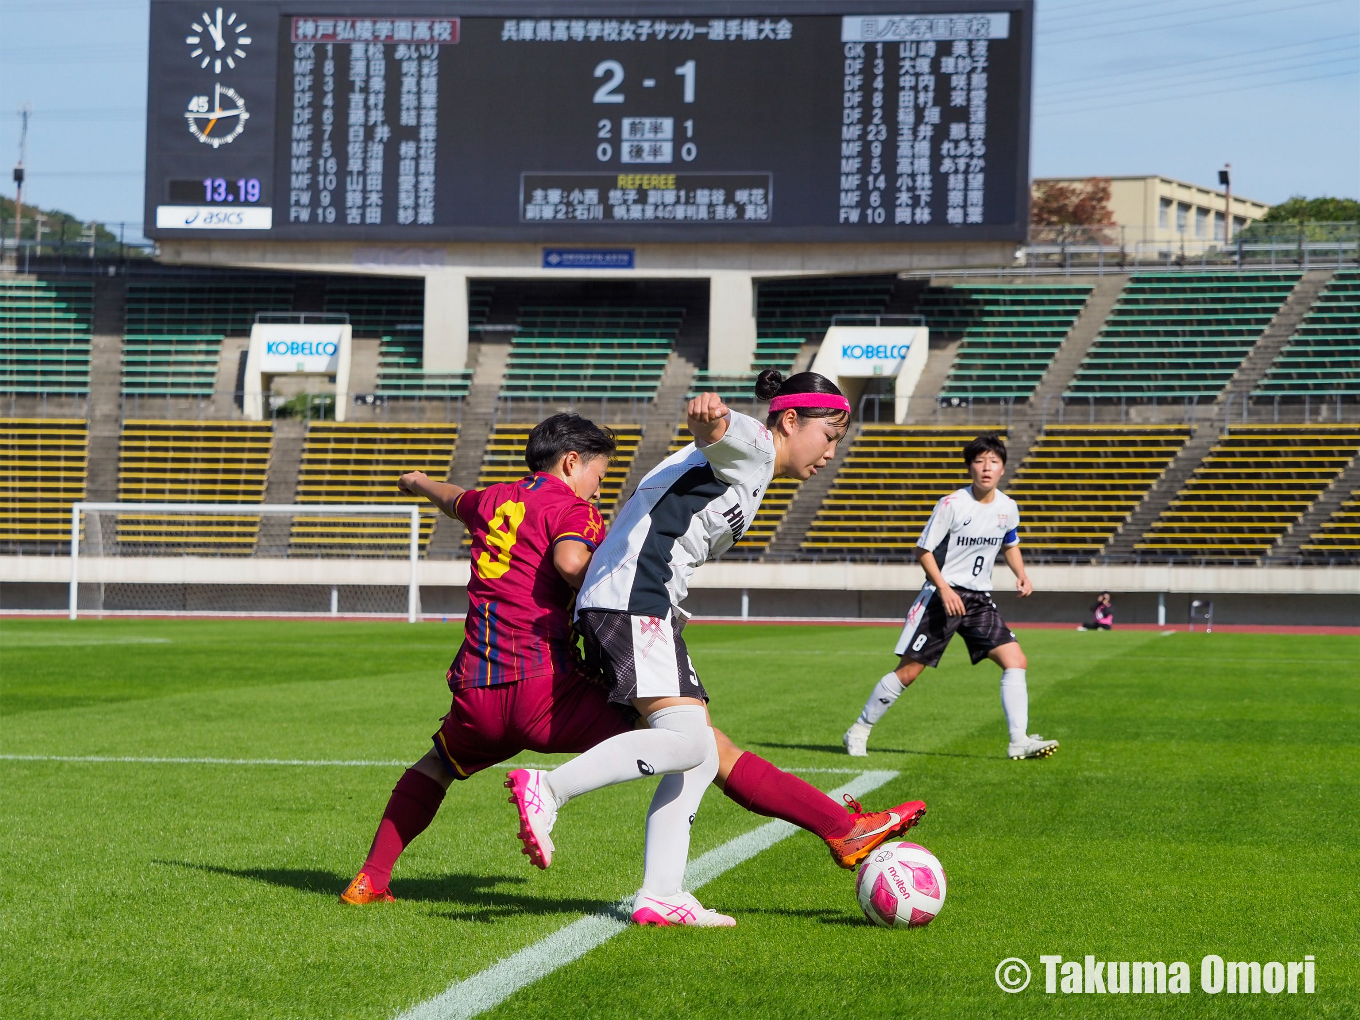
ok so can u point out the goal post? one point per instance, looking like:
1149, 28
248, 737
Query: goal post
148, 547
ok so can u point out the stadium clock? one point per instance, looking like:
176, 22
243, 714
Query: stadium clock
224, 43
205, 116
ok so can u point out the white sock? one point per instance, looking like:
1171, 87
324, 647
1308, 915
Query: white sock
677, 739
885, 693
668, 824
1015, 701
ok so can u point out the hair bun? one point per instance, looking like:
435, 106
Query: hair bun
768, 383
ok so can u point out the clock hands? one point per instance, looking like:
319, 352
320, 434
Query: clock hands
215, 30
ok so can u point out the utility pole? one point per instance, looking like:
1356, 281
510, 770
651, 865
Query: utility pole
1225, 179
25, 111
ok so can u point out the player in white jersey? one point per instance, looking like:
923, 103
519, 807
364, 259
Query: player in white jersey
692, 506
958, 550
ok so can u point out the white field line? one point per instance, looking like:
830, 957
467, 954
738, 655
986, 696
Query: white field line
356, 763
489, 988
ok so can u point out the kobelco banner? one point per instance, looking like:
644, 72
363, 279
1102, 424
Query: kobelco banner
290, 348
852, 354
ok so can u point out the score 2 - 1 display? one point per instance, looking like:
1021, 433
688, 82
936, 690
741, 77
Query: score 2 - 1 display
699, 122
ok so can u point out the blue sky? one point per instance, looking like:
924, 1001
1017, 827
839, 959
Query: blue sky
1174, 87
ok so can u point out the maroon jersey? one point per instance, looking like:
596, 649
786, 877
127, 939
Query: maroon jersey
519, 617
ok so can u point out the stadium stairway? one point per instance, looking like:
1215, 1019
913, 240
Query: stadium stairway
105, 409
1077, 343
1159, 497
487, 359
788, 538
1286, 322
1256, 481
686, 355
1305, 531
281, 484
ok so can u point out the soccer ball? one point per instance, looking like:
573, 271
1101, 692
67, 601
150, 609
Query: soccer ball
901, 885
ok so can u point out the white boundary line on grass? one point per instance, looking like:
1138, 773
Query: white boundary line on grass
489, 988
355, 763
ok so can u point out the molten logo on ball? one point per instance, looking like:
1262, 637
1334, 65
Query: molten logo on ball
901, 886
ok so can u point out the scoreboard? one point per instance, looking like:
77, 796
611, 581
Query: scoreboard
589, 121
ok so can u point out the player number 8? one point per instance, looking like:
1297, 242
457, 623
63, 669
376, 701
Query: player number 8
919, 643
978, 564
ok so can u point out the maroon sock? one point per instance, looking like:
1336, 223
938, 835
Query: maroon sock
758, 786
410, 809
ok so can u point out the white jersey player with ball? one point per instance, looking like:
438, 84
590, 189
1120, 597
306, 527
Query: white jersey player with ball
958, 549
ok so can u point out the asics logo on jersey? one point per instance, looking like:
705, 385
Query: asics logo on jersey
645, 769
966, 523
650, 628
736, 521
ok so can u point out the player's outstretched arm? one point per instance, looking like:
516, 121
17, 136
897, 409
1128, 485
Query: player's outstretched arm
953, 605
708, 418
441, 494
571, 560
1017, 564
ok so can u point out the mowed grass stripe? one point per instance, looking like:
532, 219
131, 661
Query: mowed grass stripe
491, 987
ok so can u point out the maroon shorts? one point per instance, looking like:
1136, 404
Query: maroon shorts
559, 713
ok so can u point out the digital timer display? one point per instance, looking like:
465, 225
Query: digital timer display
215, 191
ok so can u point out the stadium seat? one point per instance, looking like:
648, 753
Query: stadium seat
884, 492
355, 462
45, 330
43, 470
1179, 336
1251, 487
777, 352
1010, 334
1079, 483
1339, 536
778, 498
504, 462
164, 461
173, 328
590, 353
1322, 358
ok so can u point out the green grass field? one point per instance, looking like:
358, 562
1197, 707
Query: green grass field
1206, 799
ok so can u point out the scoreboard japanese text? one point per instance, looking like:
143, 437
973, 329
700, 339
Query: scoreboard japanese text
695, 122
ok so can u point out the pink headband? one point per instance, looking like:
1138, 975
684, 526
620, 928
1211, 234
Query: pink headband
834, 401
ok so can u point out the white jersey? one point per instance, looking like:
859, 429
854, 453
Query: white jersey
965, 536
692, 506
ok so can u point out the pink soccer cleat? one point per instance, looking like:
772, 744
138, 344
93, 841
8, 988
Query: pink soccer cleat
537, 812
682, 909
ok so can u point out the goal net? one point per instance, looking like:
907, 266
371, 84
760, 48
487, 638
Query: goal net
248, 559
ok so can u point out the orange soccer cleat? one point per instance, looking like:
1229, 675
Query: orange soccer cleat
361, 891
873, 828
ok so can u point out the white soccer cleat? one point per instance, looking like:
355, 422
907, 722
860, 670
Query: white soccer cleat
1033, 746
529, 793
856, 740
682, 909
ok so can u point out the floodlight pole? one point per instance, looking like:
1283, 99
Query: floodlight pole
1225, 179
25, 110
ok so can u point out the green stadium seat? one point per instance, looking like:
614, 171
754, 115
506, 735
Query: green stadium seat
1179, 335
1010, 334
45, 331
1322, 358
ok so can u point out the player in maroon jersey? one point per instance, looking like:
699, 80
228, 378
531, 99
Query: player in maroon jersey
517, 680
